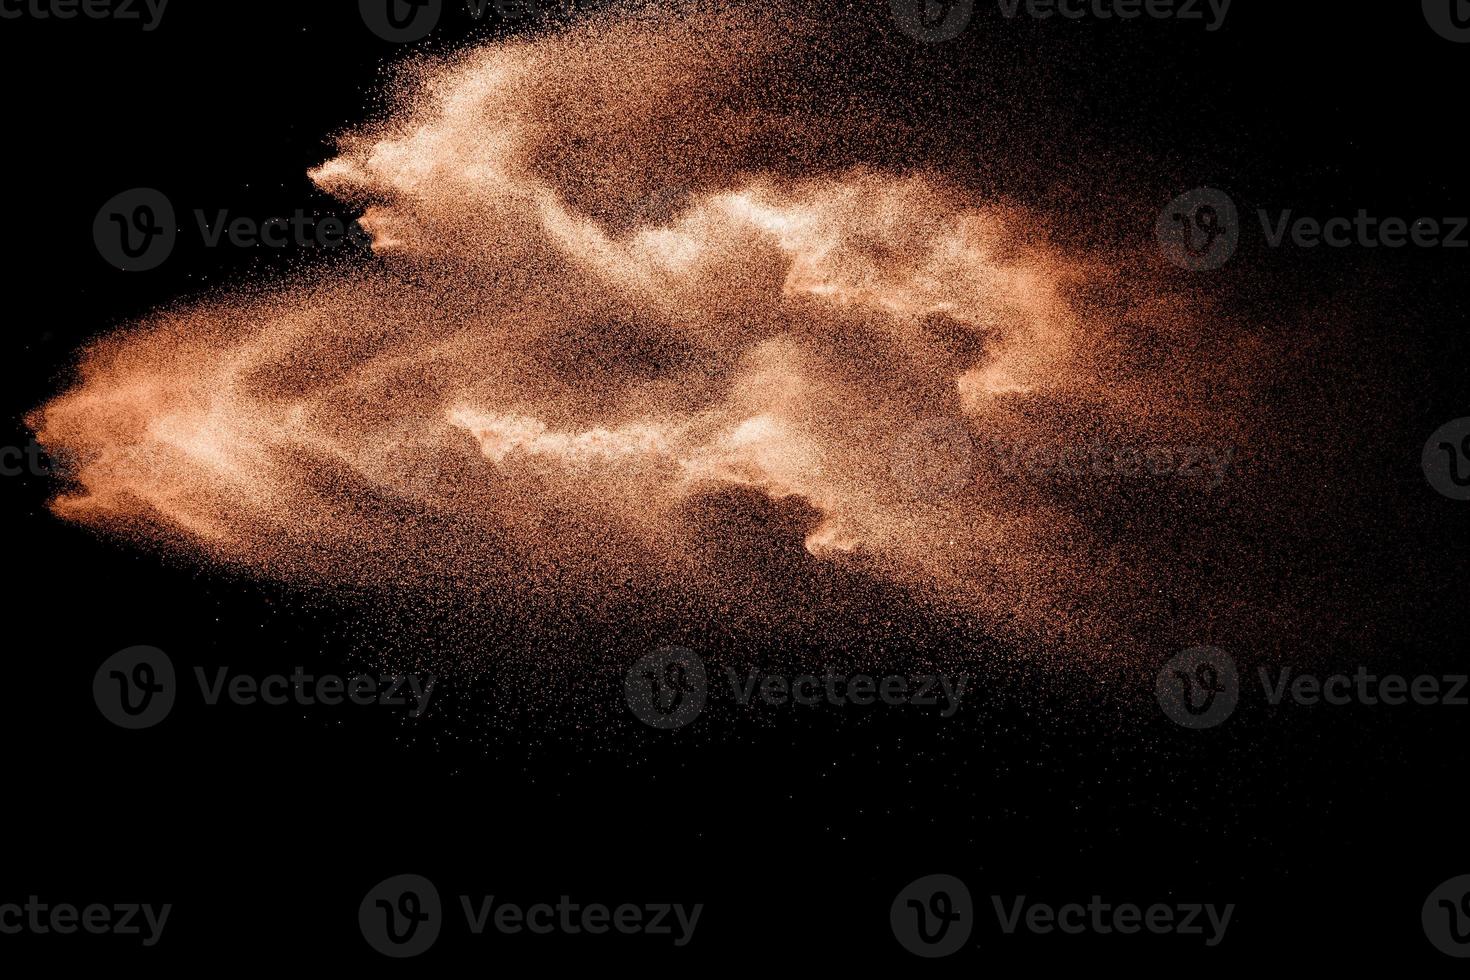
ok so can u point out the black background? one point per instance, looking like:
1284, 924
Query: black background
264, 827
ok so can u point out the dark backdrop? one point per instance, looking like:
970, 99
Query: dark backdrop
265, 828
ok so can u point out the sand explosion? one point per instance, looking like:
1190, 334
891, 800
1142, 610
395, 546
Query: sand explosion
638, 312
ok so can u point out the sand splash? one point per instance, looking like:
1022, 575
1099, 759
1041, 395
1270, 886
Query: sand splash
635, 295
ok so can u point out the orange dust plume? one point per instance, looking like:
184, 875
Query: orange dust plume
650, 302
